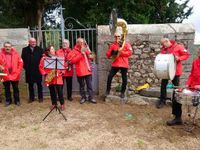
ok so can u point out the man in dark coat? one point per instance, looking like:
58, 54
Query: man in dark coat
31, 56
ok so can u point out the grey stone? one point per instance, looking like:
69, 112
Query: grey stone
146, 50
144, 56
138, 52
141, 46
149, 80
137, 100
137, 74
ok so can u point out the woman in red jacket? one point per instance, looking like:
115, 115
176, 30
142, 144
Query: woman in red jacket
80, 56
119, 64
55, 82
12, 66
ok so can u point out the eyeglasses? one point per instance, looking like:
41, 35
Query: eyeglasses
118, 36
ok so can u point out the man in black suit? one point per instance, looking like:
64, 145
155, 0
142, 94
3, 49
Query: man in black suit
31, 56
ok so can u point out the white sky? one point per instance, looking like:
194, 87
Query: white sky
195, 18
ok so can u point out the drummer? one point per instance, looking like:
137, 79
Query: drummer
180, 53
194, 77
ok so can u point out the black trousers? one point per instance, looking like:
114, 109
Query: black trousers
32, 93
176, 107
69, 86
88, 80
112, 73
8, 92
54, 91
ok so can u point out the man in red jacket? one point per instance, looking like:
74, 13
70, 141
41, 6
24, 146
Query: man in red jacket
64, 51
12, 66
194, 77
119, 64
171, 47
81, 57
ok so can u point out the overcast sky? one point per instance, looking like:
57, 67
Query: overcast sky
195, 18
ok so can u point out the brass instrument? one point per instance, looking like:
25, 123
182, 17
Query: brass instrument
85, 57
1, 70
113, 24
50, 76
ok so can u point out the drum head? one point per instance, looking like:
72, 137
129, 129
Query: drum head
165, 66
172, 67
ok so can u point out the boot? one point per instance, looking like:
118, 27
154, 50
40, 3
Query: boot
175, 121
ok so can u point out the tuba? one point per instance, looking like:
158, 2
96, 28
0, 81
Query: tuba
113, 24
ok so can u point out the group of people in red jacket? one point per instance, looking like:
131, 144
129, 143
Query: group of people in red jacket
80, 56
12, 64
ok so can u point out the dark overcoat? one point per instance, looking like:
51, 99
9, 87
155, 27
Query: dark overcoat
31, 61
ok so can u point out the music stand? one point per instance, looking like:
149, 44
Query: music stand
54, 63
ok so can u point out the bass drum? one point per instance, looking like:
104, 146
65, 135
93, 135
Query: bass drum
165, 66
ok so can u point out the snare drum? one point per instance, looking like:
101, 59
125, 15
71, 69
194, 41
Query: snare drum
186, 96
165, 66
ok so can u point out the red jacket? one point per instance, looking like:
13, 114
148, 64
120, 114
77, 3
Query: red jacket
122, 60
78, 59
64, 53
194, 77
13, 74
57, 80
177, 50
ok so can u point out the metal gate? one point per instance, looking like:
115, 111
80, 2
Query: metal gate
72, 31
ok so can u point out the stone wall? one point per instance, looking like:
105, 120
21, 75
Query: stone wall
17, 36
145, 43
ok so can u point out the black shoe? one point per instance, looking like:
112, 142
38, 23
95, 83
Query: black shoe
7, 104
83, 100
176, 121
122, 95
70, 99
93, 101
160, 104
18, 103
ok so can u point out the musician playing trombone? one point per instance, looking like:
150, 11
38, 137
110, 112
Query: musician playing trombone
64, 51
81, 57
120, 63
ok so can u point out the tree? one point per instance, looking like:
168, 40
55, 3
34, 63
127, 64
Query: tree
23, 13
133, 11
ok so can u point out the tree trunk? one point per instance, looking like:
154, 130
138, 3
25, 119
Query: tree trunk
40, 12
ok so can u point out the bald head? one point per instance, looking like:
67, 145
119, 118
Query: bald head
165, 42
32, 42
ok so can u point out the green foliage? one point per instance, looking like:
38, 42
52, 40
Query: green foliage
23, 13
50, 37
